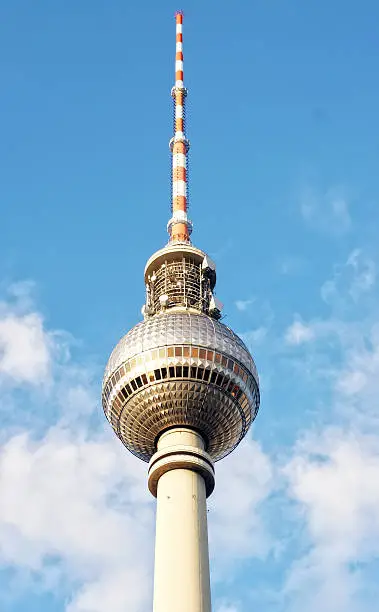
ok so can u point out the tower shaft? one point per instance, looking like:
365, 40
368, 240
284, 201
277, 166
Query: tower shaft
181, 580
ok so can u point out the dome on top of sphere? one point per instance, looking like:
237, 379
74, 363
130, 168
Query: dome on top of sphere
179, 328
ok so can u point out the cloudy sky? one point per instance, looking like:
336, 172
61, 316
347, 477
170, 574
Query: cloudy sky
282, 118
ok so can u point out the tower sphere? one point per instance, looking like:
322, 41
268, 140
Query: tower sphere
180, 369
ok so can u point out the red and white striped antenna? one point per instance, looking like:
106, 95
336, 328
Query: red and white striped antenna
179, 227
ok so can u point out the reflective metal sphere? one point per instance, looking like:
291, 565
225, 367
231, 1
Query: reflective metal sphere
180, 369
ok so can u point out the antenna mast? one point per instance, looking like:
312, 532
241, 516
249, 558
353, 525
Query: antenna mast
179, 227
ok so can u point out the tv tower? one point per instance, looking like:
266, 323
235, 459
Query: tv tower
180, 389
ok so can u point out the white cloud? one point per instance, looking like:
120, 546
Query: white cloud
227, 607
299, 333
244, 480
291, 265
25, 348
243, 305
327, 212
123, 588
352, 382
334, 477
81, 500
351, 281
364, 273
333, 473
254, 336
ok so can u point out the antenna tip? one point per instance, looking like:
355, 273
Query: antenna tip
179, 16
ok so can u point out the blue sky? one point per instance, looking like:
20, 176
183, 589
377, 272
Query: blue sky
282, 118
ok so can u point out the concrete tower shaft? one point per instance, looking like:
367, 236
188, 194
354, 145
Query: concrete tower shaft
181, 389
181, 580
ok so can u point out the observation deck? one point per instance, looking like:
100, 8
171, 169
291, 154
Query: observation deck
180, 369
